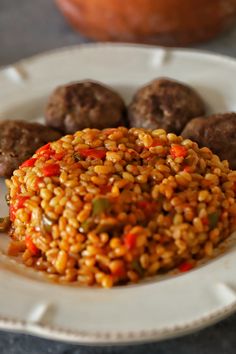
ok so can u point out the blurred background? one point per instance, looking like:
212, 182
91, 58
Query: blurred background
28, 27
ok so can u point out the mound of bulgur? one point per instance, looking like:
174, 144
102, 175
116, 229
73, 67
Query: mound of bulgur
114, 206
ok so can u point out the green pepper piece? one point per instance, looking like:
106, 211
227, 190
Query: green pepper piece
77, 157
136, 266
213, 219
86, 226
100, 205
104, 228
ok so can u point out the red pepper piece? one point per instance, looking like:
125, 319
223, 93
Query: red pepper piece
94, 153
142, 204
119, 272
43, 148
130, 241
156, 142
185, 267
205, 221
109, 131
21, 201
51, 170
187, 169
58, 156
37, 181
46, 154
31, 246
12, 212
52, 154
147, 206
29, 163
178, 151
104, 189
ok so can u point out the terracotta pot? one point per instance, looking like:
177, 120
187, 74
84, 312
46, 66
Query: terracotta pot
165, 22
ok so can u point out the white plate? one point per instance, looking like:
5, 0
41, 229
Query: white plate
151, 310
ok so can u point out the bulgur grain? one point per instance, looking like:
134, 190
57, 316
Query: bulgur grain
124, 205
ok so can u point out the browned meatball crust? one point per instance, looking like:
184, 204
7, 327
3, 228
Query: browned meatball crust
84, 104
217, 132
19, 140
166, 104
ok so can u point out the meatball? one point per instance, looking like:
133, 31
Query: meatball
217, 132
84, 104
19, 140
165, 104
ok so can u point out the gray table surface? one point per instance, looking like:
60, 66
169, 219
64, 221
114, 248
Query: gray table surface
28, 27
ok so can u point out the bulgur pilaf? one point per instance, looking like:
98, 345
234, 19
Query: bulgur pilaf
114, 206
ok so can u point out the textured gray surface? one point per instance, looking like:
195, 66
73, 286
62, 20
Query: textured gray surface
28, 27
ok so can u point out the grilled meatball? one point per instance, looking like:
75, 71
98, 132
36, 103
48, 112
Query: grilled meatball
165, 104
84, 104
19, 140
217, 132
